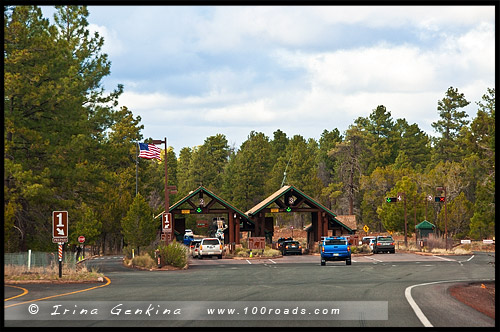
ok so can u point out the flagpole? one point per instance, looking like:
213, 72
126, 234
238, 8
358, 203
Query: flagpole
136, 165
166, 184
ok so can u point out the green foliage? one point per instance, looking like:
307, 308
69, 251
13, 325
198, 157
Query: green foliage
87, 225
174, 254
138, 226
450, 125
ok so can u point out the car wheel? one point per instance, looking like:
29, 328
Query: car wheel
200, 257
394, 251
323, 263
348, 262
220, 256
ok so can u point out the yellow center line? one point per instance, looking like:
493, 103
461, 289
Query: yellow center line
50, 297
25, 291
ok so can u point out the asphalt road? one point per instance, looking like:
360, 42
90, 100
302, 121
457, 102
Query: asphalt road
412, 288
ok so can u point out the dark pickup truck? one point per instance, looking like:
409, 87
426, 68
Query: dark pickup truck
335, 249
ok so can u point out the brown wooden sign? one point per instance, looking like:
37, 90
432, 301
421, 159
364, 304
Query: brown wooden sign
59, 226
256, 243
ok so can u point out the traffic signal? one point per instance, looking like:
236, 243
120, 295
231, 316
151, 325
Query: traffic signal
288, 209
198, 210
391, 199
439, 199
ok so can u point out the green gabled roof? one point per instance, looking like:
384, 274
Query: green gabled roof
425, 225
214, 196
282, 191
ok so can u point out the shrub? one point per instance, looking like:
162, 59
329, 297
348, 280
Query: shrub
175, 254
144, 260
242, 253
269, 252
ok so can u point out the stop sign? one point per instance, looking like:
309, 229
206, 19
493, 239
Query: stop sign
81, 239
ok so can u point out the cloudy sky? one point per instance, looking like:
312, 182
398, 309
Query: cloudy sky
192, 71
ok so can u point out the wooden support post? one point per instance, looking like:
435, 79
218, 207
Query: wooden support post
237, 231
231, 230
320, 226
325, 224
315, 226
262, 221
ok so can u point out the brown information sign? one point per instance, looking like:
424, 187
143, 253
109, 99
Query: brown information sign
256, 243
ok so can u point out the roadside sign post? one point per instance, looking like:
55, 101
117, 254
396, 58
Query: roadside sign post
60, 233
166, 219
60, 253
81, 240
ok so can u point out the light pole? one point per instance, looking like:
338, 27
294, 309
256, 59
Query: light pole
167, 187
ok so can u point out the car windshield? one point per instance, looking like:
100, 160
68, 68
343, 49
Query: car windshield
335, 242
211, 241
292, 242
386, 238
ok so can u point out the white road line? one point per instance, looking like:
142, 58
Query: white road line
272, 261
414, 305
471, 257
378, 260
446, 259
248, 261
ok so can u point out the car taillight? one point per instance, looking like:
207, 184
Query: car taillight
322, 249
201, 247
300, 247
286, 247
392, 243
348, 248
221, 247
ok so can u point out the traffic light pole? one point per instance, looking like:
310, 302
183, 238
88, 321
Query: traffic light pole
445, 220
445, 216
406, 223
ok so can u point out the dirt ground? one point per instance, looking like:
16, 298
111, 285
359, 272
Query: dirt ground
480, 296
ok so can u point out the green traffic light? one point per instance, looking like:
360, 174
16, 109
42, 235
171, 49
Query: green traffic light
198, 210
288, 209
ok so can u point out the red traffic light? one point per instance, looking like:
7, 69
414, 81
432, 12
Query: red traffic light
439, 199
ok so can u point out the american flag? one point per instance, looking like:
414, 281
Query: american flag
149, 151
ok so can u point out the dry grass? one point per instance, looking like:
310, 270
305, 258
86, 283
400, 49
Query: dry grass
79, 273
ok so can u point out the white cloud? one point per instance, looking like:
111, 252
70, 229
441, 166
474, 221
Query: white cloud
112, 43
305, 89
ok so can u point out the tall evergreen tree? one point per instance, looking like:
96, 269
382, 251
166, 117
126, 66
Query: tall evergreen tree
452, 120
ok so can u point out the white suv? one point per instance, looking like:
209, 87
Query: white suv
210, 247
